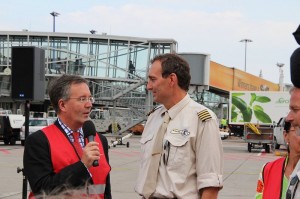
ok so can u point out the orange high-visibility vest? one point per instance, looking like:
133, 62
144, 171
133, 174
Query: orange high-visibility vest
60, 160
273, 177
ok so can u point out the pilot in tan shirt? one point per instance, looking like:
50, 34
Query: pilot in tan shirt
192, 151
191, 164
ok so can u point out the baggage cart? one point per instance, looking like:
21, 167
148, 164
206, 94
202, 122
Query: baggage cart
258, 136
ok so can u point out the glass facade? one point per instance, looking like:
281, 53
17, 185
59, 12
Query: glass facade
116, 66
111, 63
87, 55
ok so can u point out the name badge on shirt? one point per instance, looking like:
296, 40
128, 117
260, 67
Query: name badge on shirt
183, 132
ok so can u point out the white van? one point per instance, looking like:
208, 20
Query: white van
278, 133
35, 124
10, 125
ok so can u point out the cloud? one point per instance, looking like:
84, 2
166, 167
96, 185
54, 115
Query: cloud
214, 32
207, 26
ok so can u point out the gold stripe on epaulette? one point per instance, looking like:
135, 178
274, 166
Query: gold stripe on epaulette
204, 115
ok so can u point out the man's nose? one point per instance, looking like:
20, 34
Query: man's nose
149, 86
289, 117
88, 104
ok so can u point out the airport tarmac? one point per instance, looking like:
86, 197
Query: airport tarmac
241, 169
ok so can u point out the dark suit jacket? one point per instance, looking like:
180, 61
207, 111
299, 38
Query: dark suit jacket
39, 171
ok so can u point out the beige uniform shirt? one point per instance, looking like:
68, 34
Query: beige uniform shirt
294, 188
193, 155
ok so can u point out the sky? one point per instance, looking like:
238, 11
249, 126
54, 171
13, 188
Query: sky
213, 27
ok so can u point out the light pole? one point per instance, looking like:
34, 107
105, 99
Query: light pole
91, 56
93, 32
246, 41
54, 14
281, 76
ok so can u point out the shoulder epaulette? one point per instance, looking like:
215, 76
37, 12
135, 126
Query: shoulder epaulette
154, 109
204, 115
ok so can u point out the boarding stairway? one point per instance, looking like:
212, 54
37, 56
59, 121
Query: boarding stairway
129, 94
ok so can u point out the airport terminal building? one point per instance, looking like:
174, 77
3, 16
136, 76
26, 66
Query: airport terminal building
116, 67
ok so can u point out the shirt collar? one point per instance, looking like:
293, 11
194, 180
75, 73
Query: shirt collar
178, 107
68, 130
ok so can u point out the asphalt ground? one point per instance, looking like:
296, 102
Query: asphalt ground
241, 169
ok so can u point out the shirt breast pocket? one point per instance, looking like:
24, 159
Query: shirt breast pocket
175, 151
146, 151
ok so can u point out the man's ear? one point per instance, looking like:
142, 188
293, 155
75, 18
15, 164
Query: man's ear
62, 105
173, 79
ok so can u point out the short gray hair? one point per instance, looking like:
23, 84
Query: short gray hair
59, 88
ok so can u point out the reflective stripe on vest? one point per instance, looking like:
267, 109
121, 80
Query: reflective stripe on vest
273, 176
96, 189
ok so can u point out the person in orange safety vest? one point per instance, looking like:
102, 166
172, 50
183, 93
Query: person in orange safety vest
274, 177
58, 157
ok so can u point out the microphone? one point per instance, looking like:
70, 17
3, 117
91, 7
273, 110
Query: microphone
89, 132
295, 68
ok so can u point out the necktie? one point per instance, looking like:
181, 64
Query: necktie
152, 173
76, 143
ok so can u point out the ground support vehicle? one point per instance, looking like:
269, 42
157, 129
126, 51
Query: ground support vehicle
278, 133
257, 107
261, 137
224, 135
119, 141
137, 129
112, 120
106, 123
236, 129
35, 124
10, 125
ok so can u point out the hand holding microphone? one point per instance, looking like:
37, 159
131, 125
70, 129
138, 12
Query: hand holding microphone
89, 132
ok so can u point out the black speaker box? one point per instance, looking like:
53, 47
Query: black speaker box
28, 73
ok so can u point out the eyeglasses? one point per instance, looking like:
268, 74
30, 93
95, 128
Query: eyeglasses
292, 188
296, 129
84, 99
